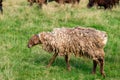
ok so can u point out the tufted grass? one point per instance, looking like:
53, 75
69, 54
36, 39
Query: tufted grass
19, 22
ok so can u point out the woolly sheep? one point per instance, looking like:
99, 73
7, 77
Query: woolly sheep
79, 41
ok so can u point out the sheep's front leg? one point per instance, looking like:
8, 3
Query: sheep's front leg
94, 66
67, 58
52, 59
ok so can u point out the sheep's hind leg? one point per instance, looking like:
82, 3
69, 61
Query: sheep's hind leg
102, 67
31, 3
67, 58
52, 59
94, 66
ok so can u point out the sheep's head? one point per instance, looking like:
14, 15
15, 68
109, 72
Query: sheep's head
34, 40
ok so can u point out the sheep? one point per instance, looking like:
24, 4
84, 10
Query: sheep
39, 2
1, 9
107, 4
79, 41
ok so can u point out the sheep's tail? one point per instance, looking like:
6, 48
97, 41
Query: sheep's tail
105, 38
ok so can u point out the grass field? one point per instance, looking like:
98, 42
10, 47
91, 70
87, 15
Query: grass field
19, 22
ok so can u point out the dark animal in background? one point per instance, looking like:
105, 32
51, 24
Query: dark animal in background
68, 1
79, 41
107, 4
39, 2
1, 8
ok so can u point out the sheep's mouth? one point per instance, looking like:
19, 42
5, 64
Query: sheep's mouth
29, 46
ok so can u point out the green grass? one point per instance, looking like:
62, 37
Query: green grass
19, 22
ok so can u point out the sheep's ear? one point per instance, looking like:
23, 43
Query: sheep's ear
37, 38
38, 34
42, 37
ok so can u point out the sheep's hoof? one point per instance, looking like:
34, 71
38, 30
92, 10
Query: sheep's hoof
69, 69
93, 72
47, 66
103, 74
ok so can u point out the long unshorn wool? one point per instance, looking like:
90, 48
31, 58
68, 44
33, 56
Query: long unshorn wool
80, 41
